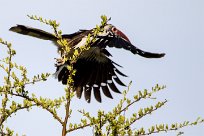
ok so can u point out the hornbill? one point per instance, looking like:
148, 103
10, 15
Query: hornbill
94, 69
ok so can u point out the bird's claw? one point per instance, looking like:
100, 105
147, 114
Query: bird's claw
59, 61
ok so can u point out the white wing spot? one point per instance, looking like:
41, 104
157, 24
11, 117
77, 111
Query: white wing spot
114, 76
103, 84
95, 85
109, 81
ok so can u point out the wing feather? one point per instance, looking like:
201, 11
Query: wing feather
118, 42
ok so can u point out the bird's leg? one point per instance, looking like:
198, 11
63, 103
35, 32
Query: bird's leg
59, 61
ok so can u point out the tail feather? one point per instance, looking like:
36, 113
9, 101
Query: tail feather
34, 32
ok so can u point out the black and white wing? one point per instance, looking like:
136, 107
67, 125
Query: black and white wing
95, 73
118, 42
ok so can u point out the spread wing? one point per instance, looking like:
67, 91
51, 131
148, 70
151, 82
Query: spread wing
94, 74
118, 42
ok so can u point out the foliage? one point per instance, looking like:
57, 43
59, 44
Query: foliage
111, 123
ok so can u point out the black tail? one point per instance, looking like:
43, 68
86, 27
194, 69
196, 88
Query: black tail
34, 32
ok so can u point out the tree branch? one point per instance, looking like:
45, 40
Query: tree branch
81, 127
149, 112
38, 103
67, 108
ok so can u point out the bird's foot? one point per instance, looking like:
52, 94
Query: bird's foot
59, 61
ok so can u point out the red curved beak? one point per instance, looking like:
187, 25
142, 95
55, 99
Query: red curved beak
122, 35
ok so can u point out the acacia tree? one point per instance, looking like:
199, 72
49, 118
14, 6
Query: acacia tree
113, 122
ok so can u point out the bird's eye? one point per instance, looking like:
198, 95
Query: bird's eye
114, 29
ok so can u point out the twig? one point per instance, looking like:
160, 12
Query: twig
17, 109
38, 104
81, 127
163, 103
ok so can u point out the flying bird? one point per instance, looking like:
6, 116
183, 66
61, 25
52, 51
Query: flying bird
95, 71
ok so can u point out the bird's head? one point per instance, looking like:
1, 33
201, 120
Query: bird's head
109, 28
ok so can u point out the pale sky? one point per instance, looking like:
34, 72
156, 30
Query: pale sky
175, 27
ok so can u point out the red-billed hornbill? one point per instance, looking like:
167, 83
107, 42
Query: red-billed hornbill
95, 70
